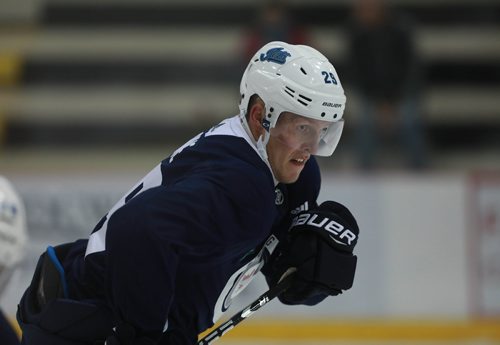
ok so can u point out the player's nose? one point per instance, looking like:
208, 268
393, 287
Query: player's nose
310, 146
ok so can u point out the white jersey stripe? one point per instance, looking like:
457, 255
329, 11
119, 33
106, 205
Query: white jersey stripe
97, 240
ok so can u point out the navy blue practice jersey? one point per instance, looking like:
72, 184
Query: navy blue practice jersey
185, 240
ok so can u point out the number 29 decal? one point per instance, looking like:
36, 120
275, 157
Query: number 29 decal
329, 78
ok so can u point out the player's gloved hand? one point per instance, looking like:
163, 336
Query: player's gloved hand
319, 246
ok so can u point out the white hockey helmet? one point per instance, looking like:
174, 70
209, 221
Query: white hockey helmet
13, 234
296, 79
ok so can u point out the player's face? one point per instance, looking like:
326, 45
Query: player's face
292, 142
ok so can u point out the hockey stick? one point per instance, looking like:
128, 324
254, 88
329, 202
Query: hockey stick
246, 312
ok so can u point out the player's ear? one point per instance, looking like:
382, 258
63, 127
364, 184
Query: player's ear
255, 116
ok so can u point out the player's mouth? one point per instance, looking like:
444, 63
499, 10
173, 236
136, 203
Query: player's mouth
299, 161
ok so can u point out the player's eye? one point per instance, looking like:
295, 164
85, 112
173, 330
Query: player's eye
303, 128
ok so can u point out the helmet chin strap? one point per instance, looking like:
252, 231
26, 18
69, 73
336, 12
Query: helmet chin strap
260, 144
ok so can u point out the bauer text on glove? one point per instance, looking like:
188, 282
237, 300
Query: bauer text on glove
320, 247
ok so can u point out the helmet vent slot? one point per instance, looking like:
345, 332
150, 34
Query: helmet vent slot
305, 98
303, 71
290, 91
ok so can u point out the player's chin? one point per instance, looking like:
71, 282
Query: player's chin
292, 173
288, 179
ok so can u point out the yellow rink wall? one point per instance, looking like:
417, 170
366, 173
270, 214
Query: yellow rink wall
366, 330
369, 330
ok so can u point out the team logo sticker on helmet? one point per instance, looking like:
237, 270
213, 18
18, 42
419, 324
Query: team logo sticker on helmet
277, 55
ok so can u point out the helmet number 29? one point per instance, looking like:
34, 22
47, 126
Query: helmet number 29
329, 78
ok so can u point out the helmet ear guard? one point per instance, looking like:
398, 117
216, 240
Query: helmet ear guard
296, 79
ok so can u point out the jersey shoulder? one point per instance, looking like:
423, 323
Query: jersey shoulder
224, 153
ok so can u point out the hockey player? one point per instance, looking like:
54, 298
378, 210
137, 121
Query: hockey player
167, 260
12, 241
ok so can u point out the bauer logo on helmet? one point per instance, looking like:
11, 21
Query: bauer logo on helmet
332, 105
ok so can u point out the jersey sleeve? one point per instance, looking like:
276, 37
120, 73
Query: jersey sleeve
205, 217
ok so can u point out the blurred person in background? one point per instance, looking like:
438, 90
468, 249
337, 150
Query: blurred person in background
167, 260
385, 74
13, 237
274, 22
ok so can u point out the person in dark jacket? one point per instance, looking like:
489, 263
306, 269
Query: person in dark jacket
386, 76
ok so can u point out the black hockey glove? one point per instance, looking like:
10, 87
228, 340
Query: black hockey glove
319, 245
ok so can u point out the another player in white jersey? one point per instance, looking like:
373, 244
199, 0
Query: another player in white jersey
167, 260
12, 241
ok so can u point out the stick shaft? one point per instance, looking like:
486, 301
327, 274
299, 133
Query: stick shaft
246, 312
